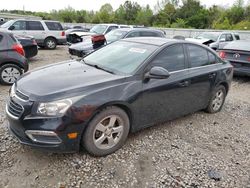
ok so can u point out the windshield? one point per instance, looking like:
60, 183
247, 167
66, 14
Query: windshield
7, 24
124, 57
211, 36
115, 35
99, 29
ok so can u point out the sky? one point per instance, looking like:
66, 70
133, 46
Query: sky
47, 5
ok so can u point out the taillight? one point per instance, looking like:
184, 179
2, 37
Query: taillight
19, 49
63, 33
248, 59
98, 38
222, 54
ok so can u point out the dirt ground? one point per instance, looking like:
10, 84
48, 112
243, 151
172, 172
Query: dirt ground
198, 150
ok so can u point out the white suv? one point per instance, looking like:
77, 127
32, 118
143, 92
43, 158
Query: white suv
47, 33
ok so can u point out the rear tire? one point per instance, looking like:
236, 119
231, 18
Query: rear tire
50, 43
107, 132
217, 100
9, 73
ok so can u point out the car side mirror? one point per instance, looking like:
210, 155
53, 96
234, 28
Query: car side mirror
157, 73
222, 40
12, 27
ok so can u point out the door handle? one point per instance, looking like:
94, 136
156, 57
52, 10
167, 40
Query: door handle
212, 75
184, 84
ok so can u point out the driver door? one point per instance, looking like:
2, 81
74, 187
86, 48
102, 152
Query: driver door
165, 99
19, 27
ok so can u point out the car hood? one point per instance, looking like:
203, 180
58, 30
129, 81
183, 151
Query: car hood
66, 79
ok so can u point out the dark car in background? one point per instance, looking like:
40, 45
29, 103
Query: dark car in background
29, 45
123, 87
91, 43
238, 54
12, 59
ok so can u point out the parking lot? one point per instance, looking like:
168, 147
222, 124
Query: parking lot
199, 150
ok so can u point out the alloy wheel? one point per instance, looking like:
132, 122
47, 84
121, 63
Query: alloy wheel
10, 75
218, 100
108, 132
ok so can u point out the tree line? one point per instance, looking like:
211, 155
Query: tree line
166, 13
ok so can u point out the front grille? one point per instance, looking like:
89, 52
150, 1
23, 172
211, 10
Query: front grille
15, 109
22, 96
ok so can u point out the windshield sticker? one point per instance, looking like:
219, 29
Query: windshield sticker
138, 50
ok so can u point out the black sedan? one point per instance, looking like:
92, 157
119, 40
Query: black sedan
238, 54
123, 87
93, 42
29, 45
12, 60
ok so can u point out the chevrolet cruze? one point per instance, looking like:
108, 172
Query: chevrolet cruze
123, 87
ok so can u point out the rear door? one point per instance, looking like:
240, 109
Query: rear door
36, 29
203, 70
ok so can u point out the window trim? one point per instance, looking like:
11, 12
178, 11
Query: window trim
149, 65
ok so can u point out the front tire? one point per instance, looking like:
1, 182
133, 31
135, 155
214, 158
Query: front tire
107, 132
9, 73
217, 100
50, 43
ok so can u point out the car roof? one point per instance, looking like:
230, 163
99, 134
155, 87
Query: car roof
35, 20
157, 41
137, 29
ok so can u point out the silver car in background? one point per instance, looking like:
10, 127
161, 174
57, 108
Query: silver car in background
47, 34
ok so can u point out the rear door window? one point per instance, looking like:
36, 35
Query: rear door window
19, 25
1, 38
149, 34
133, 34
213, 59
34, 26
54, 26
172, 58
198, 56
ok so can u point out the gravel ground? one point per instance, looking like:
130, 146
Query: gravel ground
199, 150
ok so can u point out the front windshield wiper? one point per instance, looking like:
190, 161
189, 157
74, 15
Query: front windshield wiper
98, 67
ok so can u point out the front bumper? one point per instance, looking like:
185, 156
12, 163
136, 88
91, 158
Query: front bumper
17, 127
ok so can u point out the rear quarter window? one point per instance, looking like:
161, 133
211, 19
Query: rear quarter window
54, 26
1, 38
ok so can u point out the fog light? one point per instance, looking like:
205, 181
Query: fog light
72, 135
45, 137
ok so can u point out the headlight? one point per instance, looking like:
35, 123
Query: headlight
54, 108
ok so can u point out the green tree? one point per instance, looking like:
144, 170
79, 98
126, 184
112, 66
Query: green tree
144, 16
105, 13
